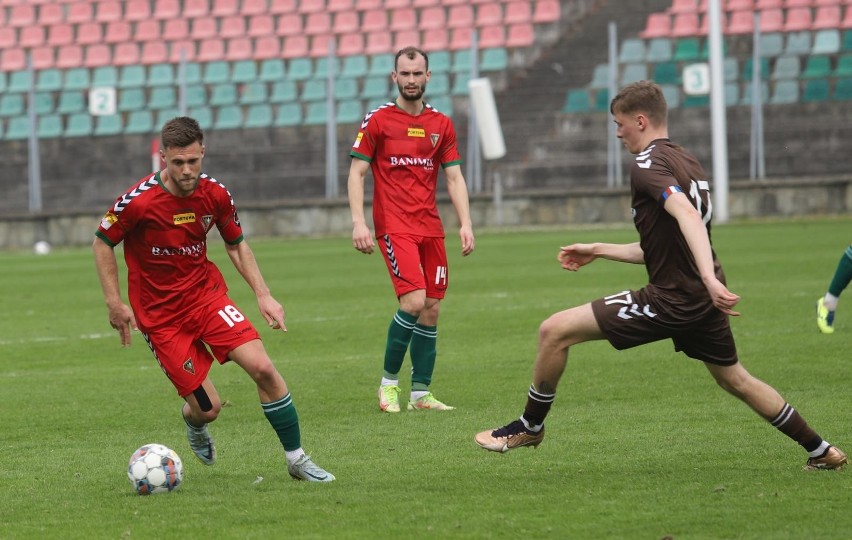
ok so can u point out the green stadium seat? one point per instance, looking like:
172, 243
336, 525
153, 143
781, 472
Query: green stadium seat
659, 50
162, 97
732, 94
131, 76
798, 43
600, 77
300, 69
259, 115
48, 80
131, 99
747, 69
785, 92
223, 94
844, 66
12, 104
288, 114
105, 76
748, 92
196, 95
77, 79
692, 101
494, 60
461, 61
161, 75
71, 102
244, 71
203, 115
634, 72
460, 87
846, 41
19, 81
228, 117
602, 100
18, 128
355, 66
817, 67
283, 92
163, 116
632, 51
321, 67
345, 88
216, 72
826, 41
843, 89
254, 92
378, 87
139, 122
439, 62
439, 83
49, 126
191, 73
442, 104
786, 67
314, 90
687, 50
110, 124
816, 90
271, 70
731, 69
576, 101
672, 94
79, 125
667, 73
44, 103
771, 44
2, 82
350, 111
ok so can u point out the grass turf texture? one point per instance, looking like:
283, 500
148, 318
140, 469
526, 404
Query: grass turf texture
640, 444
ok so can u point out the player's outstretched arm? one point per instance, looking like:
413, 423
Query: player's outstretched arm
575, 256
120, 315
362, 239
243, 259
461, 202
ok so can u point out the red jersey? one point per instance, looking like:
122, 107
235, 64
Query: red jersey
404, 152
165, 246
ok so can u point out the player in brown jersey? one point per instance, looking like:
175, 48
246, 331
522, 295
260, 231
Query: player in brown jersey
686, 299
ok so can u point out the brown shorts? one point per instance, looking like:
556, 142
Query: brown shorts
632, 318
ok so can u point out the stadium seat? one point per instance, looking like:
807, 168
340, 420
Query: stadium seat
694, 101
223, 94
345, 88
161, 75
771, 20
48, 14
272, 69
259, 116
378, 43
459, 84
31, 36
737, 5
164, 115
659, 50
154, 52
108, 11
685, 25
76, 79
798, 43
406, 38
79, 12
576, 101
683, 6
334, 6
317, 24
442, 104
436, 40
118, 32
300, 69
786, 67
346, 22
19, 81
460, 16
311, 6
313, 90
600, 77
771, 44
321, 67
176, 30
826, 41
137, 11
294, 47
224, 8
520, 35
131, 99
166, 9
232, 26
283, 92
12, 104
228, 117
288, 114
130, 76
254, 92
432, 18
740, 22
632, 51
261, 25
289, 24
321, 45
110, 124
163, 97
196, 95
687, 50
657, 25
70, 102
267, 48
461, 61
518, 11
379, 87
350, 111
546, 11
785, 93
666, 73
438, 84
494, 59
354, 66
193, 9
238, 48
192, 73
216, 72
817, 67
846, 41
844, 66
634, 72
97, 55
49, 126
350, 44
126, 53
57, 35
731, 69
316, 114
105, 76
843, 89
489, 14
816, 90
79, 125
89, 33
748, 68
798, 18
403, 19
243, 71
732, 94
139, 122
672, 95
210, 50
374, 21
8, 37
21, 15
184, 50
829, 17
18, 128
278, 7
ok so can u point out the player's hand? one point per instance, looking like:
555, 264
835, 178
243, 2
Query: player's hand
468, 242
575, 256
122, 319
723, 299
272, 311
362, 240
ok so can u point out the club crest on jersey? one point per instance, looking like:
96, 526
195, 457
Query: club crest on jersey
108, 219
417, 132
206, 221
188, 367
434, 138
186, 217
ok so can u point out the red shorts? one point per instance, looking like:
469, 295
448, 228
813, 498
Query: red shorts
182, 348
416, 262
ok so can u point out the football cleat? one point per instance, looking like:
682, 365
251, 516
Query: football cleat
428, 403
305, 469
513, 435
834, 458
825, 318
200, 442
389, 398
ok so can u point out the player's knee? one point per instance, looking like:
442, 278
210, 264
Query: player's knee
208, 405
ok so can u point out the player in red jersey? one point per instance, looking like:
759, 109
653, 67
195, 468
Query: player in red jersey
686, 299
404, 142
180, 300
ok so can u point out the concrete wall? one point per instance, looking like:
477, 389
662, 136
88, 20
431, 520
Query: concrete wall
747, 199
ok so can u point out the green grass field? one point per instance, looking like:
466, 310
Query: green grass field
640, 444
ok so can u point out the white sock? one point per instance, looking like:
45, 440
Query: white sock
534, 429
293, 455
417, 394
389, 382
823, 448
830, 301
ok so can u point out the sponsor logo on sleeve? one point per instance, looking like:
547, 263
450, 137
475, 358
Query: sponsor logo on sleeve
108, 219
358, 139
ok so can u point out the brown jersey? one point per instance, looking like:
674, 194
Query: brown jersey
660, 170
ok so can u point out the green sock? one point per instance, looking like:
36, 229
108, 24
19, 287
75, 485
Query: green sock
399, 335
843, 274
423, 352
282, 415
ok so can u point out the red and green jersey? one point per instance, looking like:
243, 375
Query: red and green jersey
165, 246
404, 152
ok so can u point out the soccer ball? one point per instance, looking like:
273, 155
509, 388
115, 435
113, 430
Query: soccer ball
154, 468
41, 247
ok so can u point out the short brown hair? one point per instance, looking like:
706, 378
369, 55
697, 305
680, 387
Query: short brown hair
642, 96
181, 132
411, 53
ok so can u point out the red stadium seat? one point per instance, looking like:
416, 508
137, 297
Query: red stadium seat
492, 36
378, 43
657, 25
489, 14
740, 22
317, 23
394, 4
31, 36
460, 16
196, 8
266, 47
108, 11
22, 15
437, 39
683, 6
43, 57
118, 32
166, 9
374, 20
154, 52
8, 37
176, 30
58, 34
126, 54
254, 7
405, 38
50, 14
277, 7
461, 38
185, 48
685, 24
12, 60
847, 18
335, 6
771, 20
289, 24
737, 5
425, 3
346, 22
798, 18
223, 8
79, 12
210, 50
89, 33
403, 19
97, 55
261, 25
520, 35
351, 44
768, 4
546, 11
295, 47
320, 45
232, 26
432, 18
137, 11
518, 12
203, 28
311, 6
366, 5
239, 48
147, 30
827, 17
69, 56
